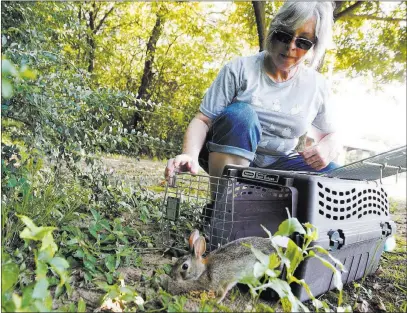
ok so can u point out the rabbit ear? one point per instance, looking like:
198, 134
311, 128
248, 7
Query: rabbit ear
199, 247
192, 238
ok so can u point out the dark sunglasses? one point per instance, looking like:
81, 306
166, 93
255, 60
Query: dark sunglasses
286, 38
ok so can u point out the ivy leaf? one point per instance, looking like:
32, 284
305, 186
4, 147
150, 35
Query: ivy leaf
274, 261
283, 289
294, 254
93, 231
59, 264
105, 224
33, 232
259, 269
109, 277
79, 254
110, 262
263, 258
41, 289
290, 226
337, 275
10, 273
325, 252
96, 214
27, 295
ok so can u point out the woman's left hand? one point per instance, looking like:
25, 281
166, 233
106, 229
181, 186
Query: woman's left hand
316, 156
324, 152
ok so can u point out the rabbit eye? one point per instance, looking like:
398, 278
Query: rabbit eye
185, 266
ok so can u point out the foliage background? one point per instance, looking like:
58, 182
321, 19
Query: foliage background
82, 79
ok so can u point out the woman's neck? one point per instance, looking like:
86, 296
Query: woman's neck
275, 73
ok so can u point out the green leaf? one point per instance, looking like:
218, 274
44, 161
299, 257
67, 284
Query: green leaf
81, 305
48, 240
6, 89
27, 295
73, 241
312, 232
72, 308
109, 277
263, 258
96, 214
44, 305
110, 263
59, 264
283, 289
294, 254
46, 254
274, 261
325, 252
41, 289
308, 290
337, 274
8, 68
259, 269
41, 270
290, 226
93, 230
89, 265
12, 182
36, 233
27, 73
10, 272
59, 290
17, 301
105, 224
79, 254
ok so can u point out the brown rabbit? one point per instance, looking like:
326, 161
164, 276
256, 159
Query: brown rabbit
220, 270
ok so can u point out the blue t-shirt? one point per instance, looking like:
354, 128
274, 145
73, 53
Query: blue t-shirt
286, 110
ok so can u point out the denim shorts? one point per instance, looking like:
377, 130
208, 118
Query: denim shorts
237, 131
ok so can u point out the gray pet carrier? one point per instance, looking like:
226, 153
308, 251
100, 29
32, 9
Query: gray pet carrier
352, 215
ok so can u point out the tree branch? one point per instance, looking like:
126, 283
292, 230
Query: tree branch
95, 9
338, 6
348, 10
259, 12
374, 18
103, 19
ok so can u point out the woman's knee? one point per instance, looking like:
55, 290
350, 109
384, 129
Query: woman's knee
240, 114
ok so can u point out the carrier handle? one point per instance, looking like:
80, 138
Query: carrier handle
250, 174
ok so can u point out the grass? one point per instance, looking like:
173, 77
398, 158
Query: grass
68, 202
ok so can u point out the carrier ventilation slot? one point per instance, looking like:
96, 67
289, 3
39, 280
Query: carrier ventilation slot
243, 190
352, 203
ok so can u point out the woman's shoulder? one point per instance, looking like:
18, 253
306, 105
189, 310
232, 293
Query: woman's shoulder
246, 62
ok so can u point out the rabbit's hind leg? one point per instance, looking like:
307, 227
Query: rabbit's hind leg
224, 289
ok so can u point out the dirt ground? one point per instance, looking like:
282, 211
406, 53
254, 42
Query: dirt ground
386, 290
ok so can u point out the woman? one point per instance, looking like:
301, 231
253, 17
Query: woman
258, 106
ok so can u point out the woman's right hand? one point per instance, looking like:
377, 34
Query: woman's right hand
181, 163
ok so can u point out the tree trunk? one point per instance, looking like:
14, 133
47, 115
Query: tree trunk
148, 74
91, 40
78, 58
94, 30
146, 79
260, 14
91, 57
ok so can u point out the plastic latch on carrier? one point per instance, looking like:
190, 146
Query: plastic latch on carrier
386, 229
336, 239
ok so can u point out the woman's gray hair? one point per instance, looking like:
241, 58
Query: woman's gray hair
293, 15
